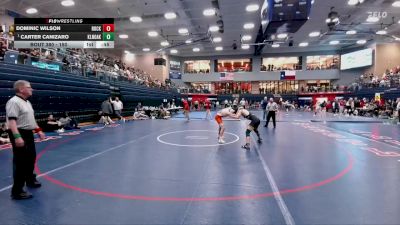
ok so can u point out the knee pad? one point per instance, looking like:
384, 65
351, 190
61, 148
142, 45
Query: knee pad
248, 132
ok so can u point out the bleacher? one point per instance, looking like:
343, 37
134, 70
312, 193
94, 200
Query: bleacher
256, 97
369, 93
56, 92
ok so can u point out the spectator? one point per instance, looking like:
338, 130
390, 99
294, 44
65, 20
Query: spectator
118, 106
3, 49
68, 123
264, 107
140, 115
4, 139
398, 109
106, 112
51, 56
51, 124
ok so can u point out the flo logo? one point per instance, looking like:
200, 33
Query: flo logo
48, 138
95, 128
113, 125
382, 153
73, 133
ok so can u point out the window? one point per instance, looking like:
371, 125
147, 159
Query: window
232, 87
197, 66
233, 65
322, 62
175, 65
201, 88
281, 63
279, 87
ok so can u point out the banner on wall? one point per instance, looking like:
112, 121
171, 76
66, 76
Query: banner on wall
377, 97
175, 75
46, 66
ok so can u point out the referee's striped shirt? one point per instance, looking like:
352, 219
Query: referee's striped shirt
21, 111
272, 106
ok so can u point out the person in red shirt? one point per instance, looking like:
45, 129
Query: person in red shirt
207, 106
186, 108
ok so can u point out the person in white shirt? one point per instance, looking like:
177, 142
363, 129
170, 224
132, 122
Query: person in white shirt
118, 106
243, 103
398, 109
272, 109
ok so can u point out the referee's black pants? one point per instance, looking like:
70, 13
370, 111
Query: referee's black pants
271, 114
23, 161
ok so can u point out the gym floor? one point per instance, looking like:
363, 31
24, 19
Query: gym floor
344, 171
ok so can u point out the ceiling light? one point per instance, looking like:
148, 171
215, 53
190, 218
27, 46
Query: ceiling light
188, 41
303, 44
248, 26
312, 2
217, 39
67, 3
252, 7
31, 11
352, 2
213, 28
275, 45
164, 43
146, 49
170, 15
334, 42
246, 37
209, 12
245, 46
152, 33
372, 19
196, 49
314, 34
123, 36
381, 32
173, 51
351, 32
183, 31
361, 42
135, 19
219, 48
396, 4
281, 36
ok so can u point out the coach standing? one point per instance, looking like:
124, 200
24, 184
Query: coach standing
22, 124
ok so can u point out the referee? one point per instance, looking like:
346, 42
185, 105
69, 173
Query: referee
272, 108
22, 124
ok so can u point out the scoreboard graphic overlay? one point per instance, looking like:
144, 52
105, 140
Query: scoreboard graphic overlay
64, 33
